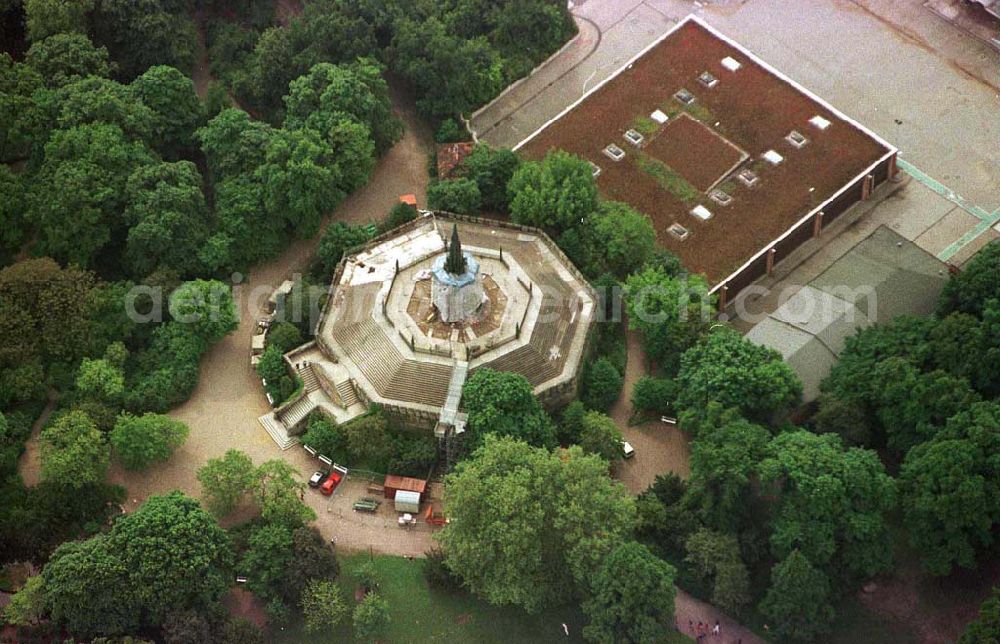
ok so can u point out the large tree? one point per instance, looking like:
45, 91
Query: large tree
528, 526
143, 440
557, 193
143, 33
452, 75
168, 219
600, 435
320, 99
45, 312
632, 597
724, 466
65, 58
671, 312
44, 18
168, 555
226, 480
951, 489
491, 169
177, 110
831, 504
798, 601
728, 369
503, 403
79, 193
627, 237
970, 290
74, 451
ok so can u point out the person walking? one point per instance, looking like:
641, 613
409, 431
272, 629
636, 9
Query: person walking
717, 629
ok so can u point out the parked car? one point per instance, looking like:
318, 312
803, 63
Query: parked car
627, 450
331, 483
318, 477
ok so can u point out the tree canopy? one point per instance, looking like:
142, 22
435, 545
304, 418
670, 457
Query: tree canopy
632, 597
504, 403
557, 193
730, 370
529, 526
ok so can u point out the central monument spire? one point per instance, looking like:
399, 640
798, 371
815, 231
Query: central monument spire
457, 287
455, 264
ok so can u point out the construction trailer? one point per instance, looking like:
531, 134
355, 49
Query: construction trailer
407, 501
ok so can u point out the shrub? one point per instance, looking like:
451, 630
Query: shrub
654, 394
603, 384
400, 214
371, 617
450, 132
437, 574
285, 336
455, 195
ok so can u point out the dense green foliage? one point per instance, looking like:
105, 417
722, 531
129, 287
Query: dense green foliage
503, 403
454, 195
671, 312
528, 526
167, 555
555, 194
727, 369
985, 628
633, 597
140, 441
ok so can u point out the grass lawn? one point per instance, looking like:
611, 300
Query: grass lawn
422, 615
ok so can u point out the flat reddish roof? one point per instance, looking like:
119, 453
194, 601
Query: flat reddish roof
405, 483
752, 109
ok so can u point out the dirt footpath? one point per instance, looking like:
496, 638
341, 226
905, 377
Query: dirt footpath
659, 448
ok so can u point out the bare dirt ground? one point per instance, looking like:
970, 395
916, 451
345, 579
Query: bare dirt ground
223, 410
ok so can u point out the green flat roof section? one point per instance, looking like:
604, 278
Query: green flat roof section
882, 277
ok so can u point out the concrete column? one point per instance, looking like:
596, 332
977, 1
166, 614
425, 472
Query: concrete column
723, 296
893, 169
770, 260
866, 187
818, 223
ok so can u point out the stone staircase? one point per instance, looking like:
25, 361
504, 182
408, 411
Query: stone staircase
309, 380
294, 413
347, 395
277, 431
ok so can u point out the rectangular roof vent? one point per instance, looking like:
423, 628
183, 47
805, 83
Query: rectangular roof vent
773, 157
659, 117
708, 80
731, 63
634, 137
797, 139
614, 152
684, 96
820, 122
595, 169
747, 177
701, 212
678, 231
721, 198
